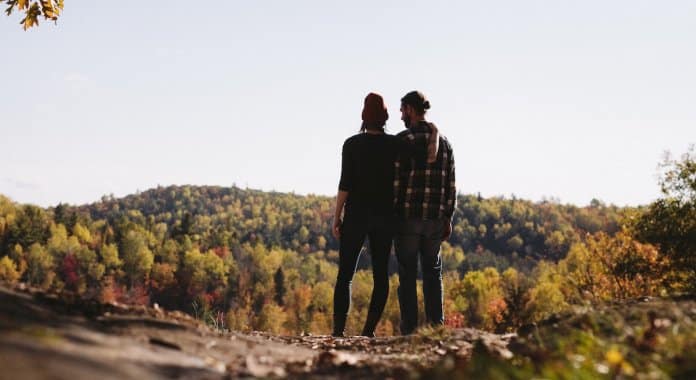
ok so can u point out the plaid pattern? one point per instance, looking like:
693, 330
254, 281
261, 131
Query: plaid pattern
422, 190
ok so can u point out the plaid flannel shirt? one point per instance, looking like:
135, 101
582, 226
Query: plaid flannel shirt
422, 190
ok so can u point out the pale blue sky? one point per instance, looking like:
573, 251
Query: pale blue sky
567, 99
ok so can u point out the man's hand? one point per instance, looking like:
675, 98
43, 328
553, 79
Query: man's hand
336, 229
448, 230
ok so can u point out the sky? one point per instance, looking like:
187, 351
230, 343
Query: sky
541, 99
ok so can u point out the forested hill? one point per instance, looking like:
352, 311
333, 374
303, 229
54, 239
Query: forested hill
502, 231
253, 260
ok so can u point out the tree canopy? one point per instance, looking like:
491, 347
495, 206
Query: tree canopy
670, 222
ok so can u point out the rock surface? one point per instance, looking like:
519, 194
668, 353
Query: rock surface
43, 336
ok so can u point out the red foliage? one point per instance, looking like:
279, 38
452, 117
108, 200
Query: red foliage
222, 252
217, 296
496, 309
162, 277
454, 321
210, 300
111, 291
206, 299
138, 295
69, 269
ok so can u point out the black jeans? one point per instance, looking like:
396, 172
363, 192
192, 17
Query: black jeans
380, 231
414, 238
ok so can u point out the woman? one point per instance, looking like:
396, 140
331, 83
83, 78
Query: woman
366, 189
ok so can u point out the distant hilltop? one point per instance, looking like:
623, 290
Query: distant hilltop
503, 231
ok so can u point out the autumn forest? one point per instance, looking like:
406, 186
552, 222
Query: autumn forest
245, 260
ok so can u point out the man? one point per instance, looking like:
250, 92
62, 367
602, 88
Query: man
425, 201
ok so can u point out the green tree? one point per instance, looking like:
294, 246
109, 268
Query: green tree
40, 266
452, 257
137, 257
29, 227
280, 290
8, 213
515, 286
670, 222
322, 298
546, 297
91, 269
203, 272
110, 259
18, 255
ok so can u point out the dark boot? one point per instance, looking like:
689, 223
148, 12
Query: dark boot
371, 324
339, 326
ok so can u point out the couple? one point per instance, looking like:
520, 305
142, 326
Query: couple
397, 188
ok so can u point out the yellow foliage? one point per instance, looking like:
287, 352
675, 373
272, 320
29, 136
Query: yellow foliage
239, 318
40, 266
481, 298
8, 270
82, 233
546, 297
321, 324
613, 267
613, 356
271, 318
49, 9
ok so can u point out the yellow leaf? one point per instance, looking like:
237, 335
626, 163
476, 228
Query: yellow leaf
614, 357
627, 369
31, 17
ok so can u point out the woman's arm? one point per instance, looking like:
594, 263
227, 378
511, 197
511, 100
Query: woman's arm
409, 149
344, 186
340, 202
433, 143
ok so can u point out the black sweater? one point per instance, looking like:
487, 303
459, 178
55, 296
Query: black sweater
367, 171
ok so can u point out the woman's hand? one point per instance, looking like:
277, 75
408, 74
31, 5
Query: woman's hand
447, 231
336, 229
340, 202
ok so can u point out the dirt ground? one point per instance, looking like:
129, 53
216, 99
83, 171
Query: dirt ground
43, 336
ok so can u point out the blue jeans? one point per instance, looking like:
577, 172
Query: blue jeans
419, 238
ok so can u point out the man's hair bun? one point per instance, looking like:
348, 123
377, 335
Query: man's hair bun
417, 100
